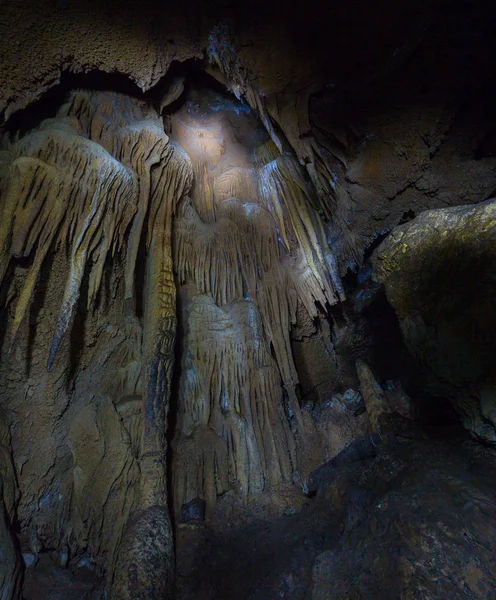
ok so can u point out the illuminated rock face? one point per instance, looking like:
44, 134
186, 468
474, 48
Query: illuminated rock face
249, 249
251, 205
87, 246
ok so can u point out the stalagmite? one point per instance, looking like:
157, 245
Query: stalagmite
146, 570
375, 399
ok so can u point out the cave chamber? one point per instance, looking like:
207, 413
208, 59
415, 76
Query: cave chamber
247, 298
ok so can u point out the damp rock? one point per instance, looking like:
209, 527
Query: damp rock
353, 401
29, 559
193, 510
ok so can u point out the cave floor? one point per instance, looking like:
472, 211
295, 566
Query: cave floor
416, 521
261, 560
48, 581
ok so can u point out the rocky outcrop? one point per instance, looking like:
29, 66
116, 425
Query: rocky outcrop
438, 271
417, 499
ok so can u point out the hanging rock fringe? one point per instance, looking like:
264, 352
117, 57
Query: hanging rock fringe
96, 179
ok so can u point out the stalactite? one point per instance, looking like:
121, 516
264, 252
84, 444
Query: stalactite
250, 234
286, 112
135, 136
285, 193
291, 112
224, 258
258, 245
95, 179
286, 118
222, 51
208, 255
63, 188
207, 150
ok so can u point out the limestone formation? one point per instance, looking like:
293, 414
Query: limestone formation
101, 181
97, 180
438, 273
249, 248
375, 399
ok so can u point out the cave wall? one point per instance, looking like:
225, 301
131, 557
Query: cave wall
438, 272
83, 194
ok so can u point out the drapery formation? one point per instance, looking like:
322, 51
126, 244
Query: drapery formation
100, 179
249, 247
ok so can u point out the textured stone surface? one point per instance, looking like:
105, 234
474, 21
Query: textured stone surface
10, 559
193, 511
348, 123
10, 564
438, 272
249, 249
427, 533
90, 449
146, 563
409, 520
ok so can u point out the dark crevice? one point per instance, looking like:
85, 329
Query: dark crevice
37, 304
49, 103
486, 147
76, 333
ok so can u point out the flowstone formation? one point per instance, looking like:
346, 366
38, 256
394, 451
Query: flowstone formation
81, 195
88, 245
215, 381
250, 251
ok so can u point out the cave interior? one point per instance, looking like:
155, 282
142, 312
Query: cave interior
248, 293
